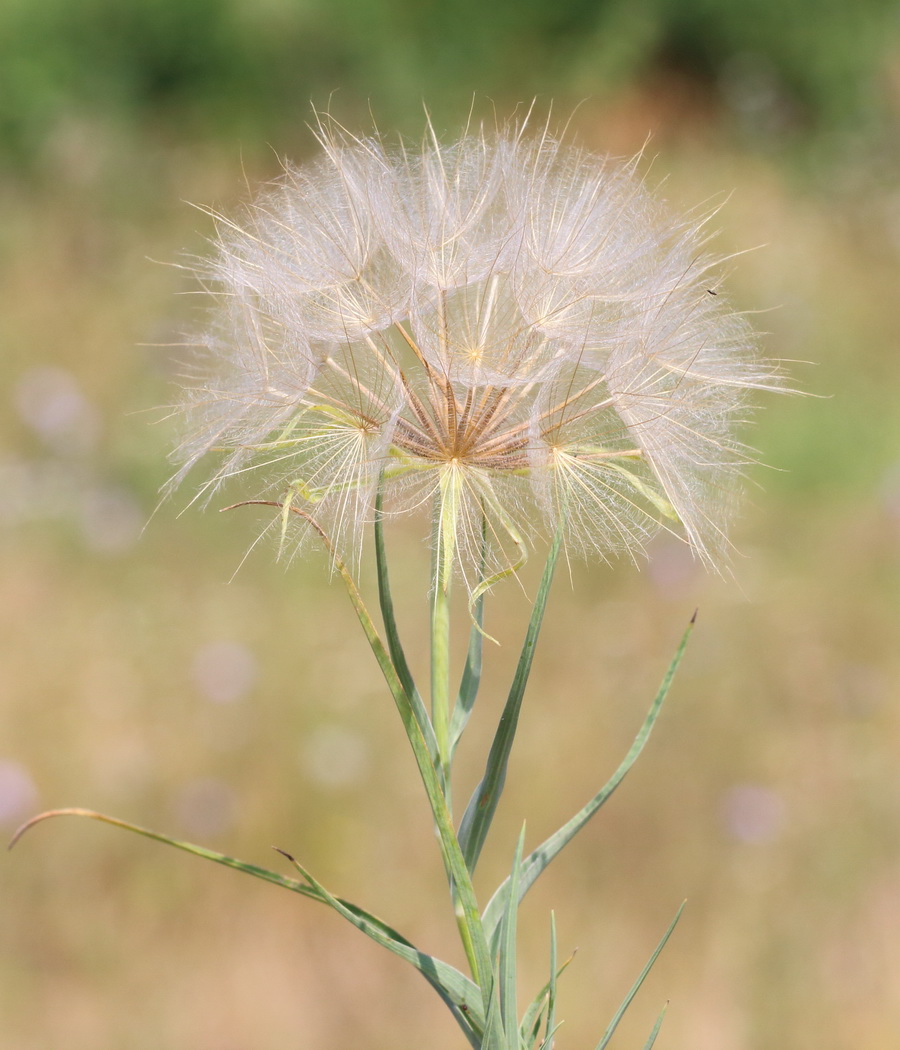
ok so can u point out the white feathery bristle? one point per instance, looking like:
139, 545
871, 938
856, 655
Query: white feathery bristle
513, 332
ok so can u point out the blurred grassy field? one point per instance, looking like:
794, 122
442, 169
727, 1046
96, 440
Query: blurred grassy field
137, 677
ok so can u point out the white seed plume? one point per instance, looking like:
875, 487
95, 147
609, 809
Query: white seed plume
513, 333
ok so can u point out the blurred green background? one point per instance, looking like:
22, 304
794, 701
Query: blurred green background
139, 678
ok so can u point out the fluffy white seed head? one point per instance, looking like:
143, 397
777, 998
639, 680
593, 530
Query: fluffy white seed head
511, 332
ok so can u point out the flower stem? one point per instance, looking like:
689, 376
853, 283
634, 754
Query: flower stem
465, 904
440, 714
440, 708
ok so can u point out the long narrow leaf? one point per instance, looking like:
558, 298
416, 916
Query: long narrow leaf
448, 981
471, 676
626, 1002
494, 1036
551, 994
538, 859
461, 995
649, 1044
476, 944
188, 847
450, 848
531, 1022
454, 987
480, 811
533, 1016
547, 1042
392, 636
506, 961
546, 997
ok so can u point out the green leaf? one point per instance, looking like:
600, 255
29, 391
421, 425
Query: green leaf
494, 1036
476, 945
506, 962
187, 847
545, 999
551, 991
649, 1044
461, 995
547, 1041
455, 988
531, 1022
471, 676
471, 929
538, 859
626, 1002
480, 811
398, 656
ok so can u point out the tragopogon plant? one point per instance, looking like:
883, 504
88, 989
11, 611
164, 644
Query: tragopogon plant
517, 339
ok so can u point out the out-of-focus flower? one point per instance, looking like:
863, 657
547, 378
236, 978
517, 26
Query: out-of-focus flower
509, 330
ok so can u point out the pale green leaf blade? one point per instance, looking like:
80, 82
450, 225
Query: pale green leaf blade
441, 975
460, 993
551, 992
626, 1002
187, 847
649, 1044
471, 677
480, 811
494, 1036
506, 961
531, 1019
546, 997
392, 636
475, 940
538, 859
476, 944
547, 1041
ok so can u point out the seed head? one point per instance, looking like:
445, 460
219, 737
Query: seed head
509, 331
